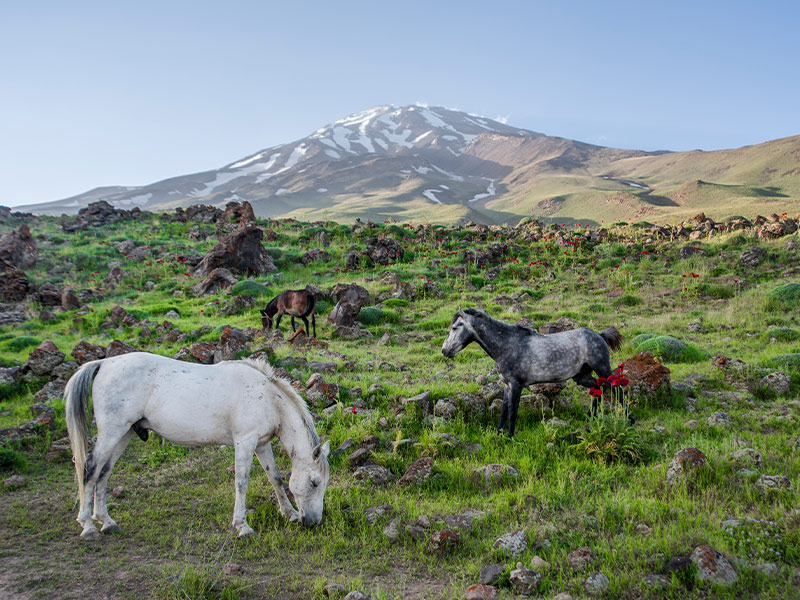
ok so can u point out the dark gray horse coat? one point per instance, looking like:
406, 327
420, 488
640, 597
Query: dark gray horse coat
524, 357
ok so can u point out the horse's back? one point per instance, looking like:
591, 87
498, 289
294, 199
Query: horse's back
184, 402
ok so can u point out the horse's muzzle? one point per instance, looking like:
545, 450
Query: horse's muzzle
310, 521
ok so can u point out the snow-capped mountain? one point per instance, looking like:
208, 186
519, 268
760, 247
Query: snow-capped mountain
421, 152
426, 163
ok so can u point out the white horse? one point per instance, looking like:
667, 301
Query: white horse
238, 403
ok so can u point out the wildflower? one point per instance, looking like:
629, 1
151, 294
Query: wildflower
595, 392
355, 410
601, 380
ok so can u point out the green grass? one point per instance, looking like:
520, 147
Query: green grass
592, 488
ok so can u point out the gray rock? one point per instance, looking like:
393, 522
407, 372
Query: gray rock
513, 543
373, 512
494, 473
720, 419
374, 473
357, 595
525, 581
582, 557
747, 457
392, 529
596, 584
685, 462
713, 567
445, 408
774, 482
778, 382
490, 574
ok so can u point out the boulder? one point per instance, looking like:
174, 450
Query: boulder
44, 358
512, 543
203, 352
646, 374
752, 257
14, 286
383, 250
48, 294
117, 348
713, 567
480, 591
596, 584
239, 213
69, 300
494, 473
581, 558
215, 280
778, 382
19, 248
685, 462
444, 541
84, 352
490, 574
239, 252
418, 472
525, 581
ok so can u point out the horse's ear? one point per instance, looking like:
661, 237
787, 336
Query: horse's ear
321, 450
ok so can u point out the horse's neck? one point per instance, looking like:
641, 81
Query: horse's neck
293, 432
487, 337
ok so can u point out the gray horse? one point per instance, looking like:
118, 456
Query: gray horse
524, 357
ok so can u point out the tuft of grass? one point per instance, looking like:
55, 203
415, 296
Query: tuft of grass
21, 342
670, 349
609, 438
11, 460
248, 287
785, 296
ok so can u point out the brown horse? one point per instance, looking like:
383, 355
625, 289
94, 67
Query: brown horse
295, 303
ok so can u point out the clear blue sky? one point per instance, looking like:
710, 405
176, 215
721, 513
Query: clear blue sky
103, 93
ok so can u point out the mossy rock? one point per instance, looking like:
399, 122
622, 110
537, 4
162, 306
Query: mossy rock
641, 338
249, 287
787, 294
670, 349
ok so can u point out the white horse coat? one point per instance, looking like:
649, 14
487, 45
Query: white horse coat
238, 403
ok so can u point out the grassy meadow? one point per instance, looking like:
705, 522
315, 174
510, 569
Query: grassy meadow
175, 503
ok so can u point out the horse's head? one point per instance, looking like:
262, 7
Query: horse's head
461, 334
308, 482
266, 320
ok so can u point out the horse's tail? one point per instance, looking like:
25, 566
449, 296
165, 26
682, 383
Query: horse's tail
76, 395
612, 337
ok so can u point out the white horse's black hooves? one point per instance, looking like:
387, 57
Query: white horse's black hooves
243, 533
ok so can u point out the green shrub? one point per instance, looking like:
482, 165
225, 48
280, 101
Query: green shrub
782, 334
595, 308
786, 295
21, 342
369, 315
393, 302
248, 287
628, 300
786, 361
275, 253
609, 438
669, 349
477, 281
11, 460
716, 290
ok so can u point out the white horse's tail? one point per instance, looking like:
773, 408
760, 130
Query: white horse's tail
76, 395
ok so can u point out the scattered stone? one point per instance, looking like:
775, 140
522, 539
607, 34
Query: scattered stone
493, 473
392, 529
774, 482
418, 472
15, 481
373, 473
490, 574
720, 419
445, 408
563, 596
596, 584
778, 382
655, 581
481, 592
513, 543
444, 541
525, 581
117, 492
85, 352
688, 460
643, 529
334, 590
357, 595
579, 559
752, 257
117, 348
373, 512
44, 358
747, 456
232, 569
203, 352
423, 400
713, 567
539, 564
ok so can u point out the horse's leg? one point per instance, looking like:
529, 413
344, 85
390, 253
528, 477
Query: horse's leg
95, 468
100, 506
308, 329
243, 459
278, 321
501, 428
515, 393
267, 460
585, 379
314, 324
294, 327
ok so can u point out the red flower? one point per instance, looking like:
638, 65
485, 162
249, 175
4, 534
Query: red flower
595, 392
601, 380
354, 409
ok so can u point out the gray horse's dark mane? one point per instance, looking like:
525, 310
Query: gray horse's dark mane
475, 312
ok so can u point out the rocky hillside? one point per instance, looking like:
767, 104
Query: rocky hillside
441, 165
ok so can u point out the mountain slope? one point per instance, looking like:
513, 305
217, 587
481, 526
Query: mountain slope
436, 164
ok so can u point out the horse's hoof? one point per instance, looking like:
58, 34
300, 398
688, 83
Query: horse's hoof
90, 535
246, 531
294, 517
110, 528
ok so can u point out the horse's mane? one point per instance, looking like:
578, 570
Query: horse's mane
475, 312
272, 303
284, 386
